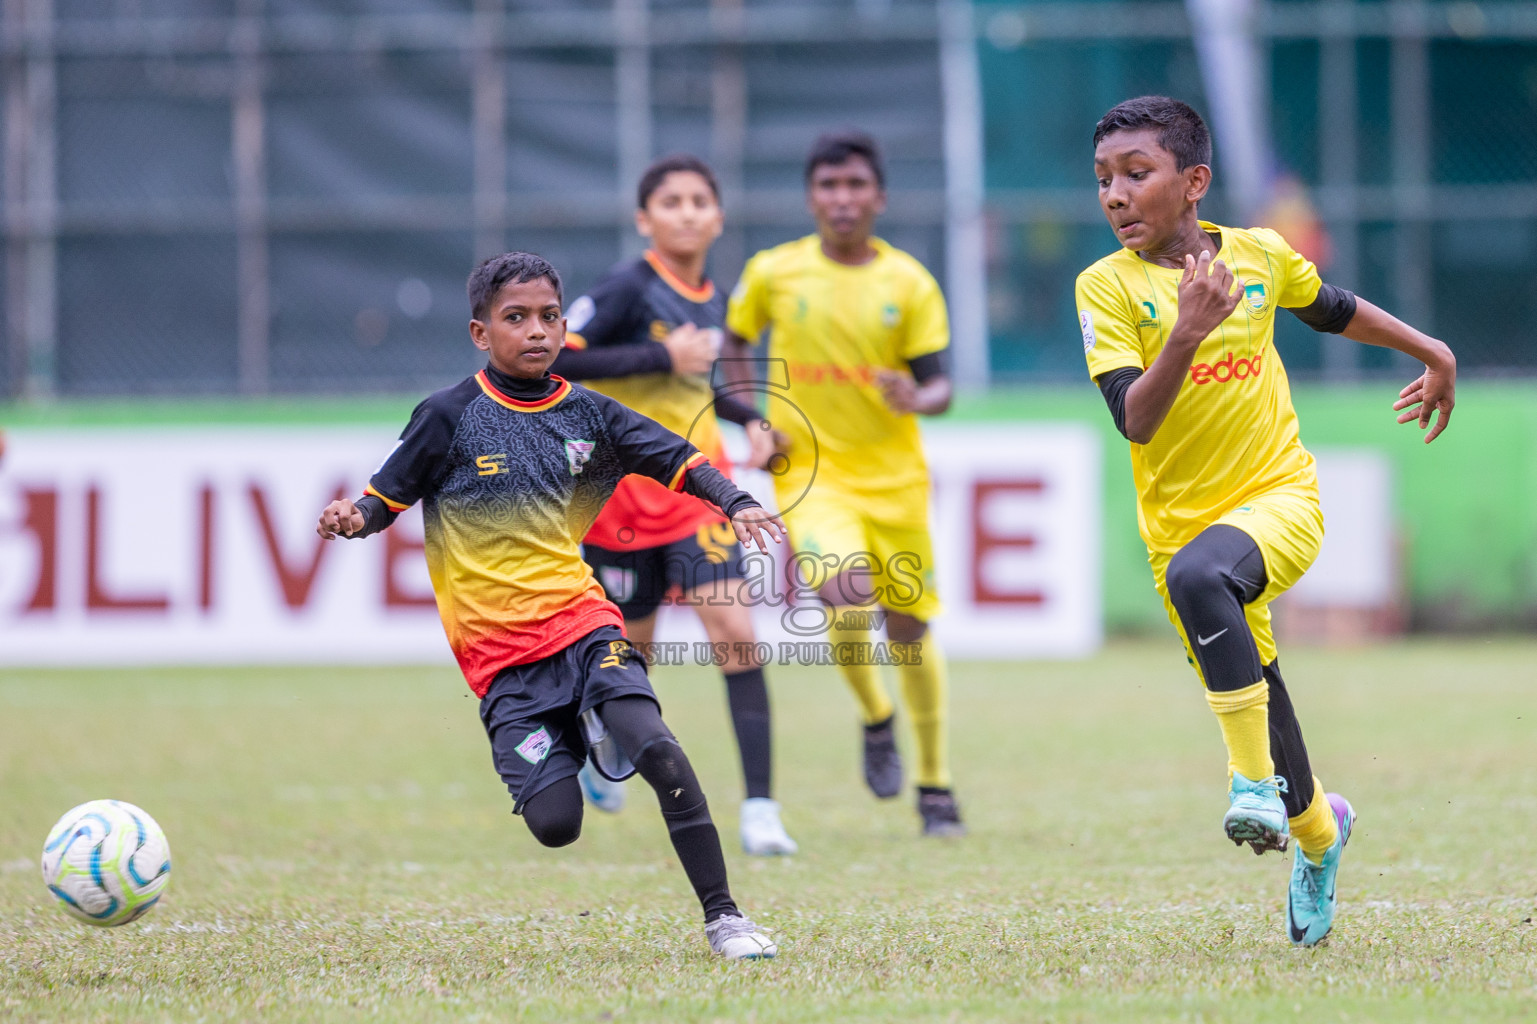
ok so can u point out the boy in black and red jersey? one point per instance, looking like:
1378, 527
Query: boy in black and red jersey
647, 335
512, 465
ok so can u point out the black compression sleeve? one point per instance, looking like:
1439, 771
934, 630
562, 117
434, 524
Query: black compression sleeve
734, 410
1329, 313
710, 484
926, 367
612, 361
376, 516
1113, 385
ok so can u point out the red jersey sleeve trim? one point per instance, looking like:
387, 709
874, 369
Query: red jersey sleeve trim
389, 503
676, 484
562, 389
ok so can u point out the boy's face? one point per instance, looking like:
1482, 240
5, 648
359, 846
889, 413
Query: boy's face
845, 199
682, 216
1145, 199
524, 331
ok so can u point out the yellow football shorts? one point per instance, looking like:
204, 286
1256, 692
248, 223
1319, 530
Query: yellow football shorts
889, 545
1287, 525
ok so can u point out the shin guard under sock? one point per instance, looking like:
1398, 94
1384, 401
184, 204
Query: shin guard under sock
1245, 721
747, 694
863, 678
665, 768
925, 691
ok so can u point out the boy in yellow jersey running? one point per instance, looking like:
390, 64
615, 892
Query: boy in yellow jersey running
1178, 329
862, 330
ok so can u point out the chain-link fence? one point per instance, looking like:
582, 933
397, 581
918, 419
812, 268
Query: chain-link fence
286, 195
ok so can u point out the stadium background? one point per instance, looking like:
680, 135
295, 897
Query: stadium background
279, 200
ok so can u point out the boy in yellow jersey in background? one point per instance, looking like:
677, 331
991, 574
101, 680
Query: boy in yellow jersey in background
862, 329
1178, 329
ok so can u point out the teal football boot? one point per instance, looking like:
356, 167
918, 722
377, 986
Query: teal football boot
1255, 813
1310, 898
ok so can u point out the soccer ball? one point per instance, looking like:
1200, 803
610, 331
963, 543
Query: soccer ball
107, 862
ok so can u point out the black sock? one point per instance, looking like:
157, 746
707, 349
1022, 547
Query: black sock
637, 725
883, 725
664, 766
747, 694
1287, 750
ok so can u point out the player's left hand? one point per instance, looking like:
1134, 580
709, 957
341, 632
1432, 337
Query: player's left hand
1435, 389
898, 389
753, 522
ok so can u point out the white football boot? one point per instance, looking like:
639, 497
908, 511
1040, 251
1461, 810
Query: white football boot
737, 938
762, 833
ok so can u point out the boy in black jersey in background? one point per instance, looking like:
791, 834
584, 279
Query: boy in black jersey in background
512, 465
647, 335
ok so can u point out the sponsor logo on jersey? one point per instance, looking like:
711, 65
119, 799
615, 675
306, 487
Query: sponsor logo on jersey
491, 465
1255, 299
660, 330
1086, 325
890, 314
577, 454
1229, 367
1149, 314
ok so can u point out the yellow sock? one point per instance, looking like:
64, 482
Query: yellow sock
1315, 829
864, 680
926, 692
1244, 716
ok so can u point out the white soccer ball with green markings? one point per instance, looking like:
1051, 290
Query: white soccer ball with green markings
107, 862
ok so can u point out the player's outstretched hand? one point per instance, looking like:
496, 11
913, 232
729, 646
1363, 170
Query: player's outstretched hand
898, 389
341, 516
693, 349
1436, 389
763, 443
1208, 294
753, 522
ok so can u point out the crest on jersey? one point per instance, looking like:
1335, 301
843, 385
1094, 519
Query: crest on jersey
1086, 325
577, 454
618, 584
890, 314
1255, 299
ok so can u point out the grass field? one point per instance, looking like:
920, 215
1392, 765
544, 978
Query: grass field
343, 851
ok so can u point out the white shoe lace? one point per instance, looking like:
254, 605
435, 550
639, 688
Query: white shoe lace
724, 929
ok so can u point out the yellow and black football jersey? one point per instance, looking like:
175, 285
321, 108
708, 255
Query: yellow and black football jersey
1232, 431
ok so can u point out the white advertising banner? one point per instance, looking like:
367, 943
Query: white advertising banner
182, 545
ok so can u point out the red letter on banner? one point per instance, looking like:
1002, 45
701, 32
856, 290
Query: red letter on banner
42, 521
96, 596
296, 582
399, 544
989, 544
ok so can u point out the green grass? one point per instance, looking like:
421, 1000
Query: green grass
343, 851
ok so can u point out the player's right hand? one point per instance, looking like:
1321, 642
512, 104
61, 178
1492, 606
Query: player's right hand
341, 516
692, 349
1207, 295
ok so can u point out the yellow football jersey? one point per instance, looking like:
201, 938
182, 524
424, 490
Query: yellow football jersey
835, 326
1232, 432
